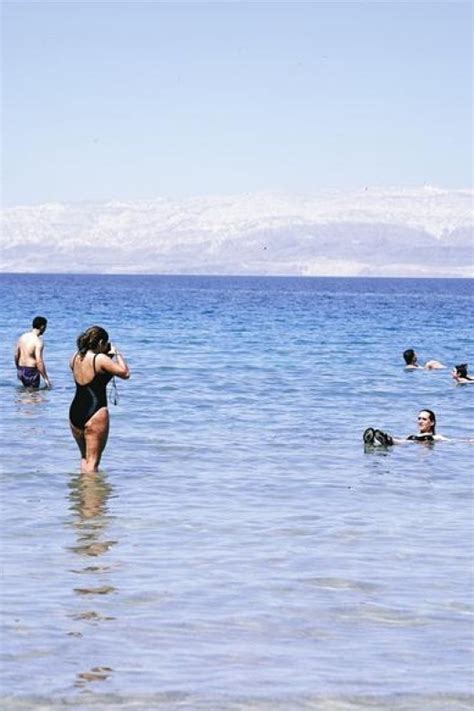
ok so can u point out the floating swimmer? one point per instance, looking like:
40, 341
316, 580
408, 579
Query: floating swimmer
460, 375
426, 432
411, 362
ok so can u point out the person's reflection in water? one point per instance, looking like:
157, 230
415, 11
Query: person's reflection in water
94, 674
28, 400
89, 494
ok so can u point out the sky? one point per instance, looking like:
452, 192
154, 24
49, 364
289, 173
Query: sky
117, 100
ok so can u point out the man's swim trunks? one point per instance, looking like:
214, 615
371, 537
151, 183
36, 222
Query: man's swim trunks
30, 377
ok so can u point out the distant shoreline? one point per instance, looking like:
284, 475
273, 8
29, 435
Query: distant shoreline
294, 277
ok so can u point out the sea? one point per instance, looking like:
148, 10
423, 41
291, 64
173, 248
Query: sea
240, 549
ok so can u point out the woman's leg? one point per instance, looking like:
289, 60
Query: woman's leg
81, 443
96, 431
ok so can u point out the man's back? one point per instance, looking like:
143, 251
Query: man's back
29, 355
29, 349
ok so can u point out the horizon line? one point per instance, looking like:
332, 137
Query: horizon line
236, 276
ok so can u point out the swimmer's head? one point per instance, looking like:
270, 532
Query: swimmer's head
94, 339
410, 356
461, 370
40, 323
427, 421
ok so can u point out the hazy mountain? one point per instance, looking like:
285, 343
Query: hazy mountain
396, 232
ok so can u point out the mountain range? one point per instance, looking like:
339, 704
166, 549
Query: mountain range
425, 231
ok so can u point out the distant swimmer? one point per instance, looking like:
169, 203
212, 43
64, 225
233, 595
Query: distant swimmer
426, 432
411, 362
93, 366
460, 374
29, 355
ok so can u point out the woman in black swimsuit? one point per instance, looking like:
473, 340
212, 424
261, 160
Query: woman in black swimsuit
426, 428
426, 432
93, 366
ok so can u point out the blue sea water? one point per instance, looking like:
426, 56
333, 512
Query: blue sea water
240, 549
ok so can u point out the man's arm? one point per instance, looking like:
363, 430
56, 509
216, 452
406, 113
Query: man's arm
40, 363
17, 354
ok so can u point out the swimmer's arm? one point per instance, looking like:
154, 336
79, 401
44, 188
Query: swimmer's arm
40, 363
105, 364
462, 381
400, 440
407, 440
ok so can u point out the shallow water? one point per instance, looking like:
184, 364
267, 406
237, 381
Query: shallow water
240, 550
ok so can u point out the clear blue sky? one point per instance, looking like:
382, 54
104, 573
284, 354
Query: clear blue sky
117, 100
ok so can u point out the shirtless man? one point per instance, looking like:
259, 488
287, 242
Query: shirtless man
411, 362
29, 355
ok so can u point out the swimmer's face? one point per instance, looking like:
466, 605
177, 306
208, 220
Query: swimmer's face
425, 423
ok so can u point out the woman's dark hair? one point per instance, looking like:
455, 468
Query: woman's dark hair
409, 355
91, 339
432, 418
461, 370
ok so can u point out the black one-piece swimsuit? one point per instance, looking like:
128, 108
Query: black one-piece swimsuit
89, 398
